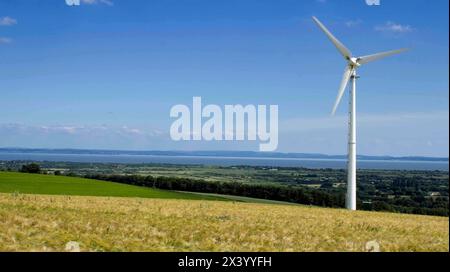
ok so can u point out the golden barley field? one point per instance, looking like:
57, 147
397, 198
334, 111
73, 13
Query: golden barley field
49, 223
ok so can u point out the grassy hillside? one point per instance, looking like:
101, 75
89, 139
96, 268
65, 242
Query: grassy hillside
48, 223
11, 182
43, 213
247, 199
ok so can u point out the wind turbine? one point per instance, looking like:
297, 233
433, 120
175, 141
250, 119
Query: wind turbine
353, 63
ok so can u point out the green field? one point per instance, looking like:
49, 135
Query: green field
11, 182
23, 183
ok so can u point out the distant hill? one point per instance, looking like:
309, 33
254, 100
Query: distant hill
238, 154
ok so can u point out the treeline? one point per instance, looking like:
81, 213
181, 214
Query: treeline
263, 191
415, 205
32, 168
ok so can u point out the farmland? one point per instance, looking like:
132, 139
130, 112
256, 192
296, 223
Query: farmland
48, 223
405, 191
45, 212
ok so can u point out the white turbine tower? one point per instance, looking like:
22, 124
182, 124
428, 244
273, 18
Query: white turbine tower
353, 63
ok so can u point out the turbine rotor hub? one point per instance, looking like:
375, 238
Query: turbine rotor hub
354, 62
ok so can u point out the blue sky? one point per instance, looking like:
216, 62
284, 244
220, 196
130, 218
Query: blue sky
105, 74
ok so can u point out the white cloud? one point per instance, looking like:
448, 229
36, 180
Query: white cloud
93, 2
80, 136
394, 28
331, 122
4, 40
401, 134
378, 134
78, 131
7, 21
353, 23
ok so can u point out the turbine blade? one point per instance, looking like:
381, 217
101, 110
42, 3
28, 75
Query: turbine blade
344, 50
374, 57
348, 72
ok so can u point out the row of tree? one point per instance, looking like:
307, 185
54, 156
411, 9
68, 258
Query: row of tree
299, 195
32, 168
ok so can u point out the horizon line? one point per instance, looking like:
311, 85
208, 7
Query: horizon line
226, 151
